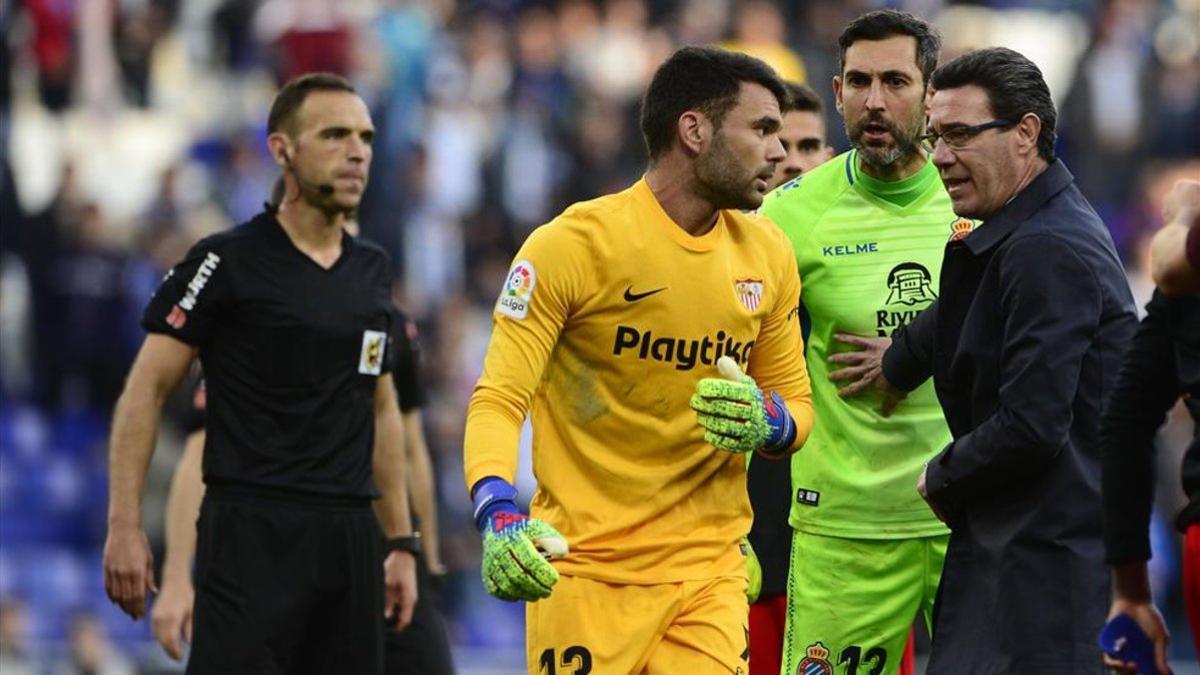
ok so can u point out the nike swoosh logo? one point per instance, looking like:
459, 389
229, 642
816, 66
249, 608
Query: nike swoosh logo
630, 296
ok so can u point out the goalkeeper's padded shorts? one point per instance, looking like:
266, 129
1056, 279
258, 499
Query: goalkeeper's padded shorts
690, 628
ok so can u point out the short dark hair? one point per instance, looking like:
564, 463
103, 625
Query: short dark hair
802, 98
706, 79
885, 23
1014, 87
292, 95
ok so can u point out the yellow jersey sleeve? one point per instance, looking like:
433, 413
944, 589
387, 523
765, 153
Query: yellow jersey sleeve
543, 284
773, 363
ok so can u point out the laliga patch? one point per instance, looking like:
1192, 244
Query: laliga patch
370, 360
518, 290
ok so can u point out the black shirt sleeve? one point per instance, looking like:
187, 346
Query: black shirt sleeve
1145, 392
909, 361
406, 363
190, 297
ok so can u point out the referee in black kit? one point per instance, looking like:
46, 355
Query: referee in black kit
420, 649
291, 319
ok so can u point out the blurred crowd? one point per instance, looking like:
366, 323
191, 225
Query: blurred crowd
130, 128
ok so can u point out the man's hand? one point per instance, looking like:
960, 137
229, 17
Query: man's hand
171, 616
738, 417
862, 369
128, 569
1182, 202
400, 587
516, 549
1131, 595
1173, 273
1147, 617
925, 495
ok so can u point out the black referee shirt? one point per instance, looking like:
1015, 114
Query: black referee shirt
291, 353
1162, 364
405, 348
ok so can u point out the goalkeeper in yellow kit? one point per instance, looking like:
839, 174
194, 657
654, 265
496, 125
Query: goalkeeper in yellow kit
652, 335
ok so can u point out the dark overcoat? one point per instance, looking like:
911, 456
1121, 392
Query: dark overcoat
1023, 343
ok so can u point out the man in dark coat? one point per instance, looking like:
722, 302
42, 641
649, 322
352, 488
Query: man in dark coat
1023, 344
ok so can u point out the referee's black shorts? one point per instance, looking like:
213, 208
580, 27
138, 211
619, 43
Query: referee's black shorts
286, 586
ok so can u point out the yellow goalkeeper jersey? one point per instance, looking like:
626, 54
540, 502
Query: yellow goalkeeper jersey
609, 316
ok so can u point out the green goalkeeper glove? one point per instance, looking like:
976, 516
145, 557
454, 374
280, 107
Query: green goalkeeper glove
516, 548
515, 552
738, 417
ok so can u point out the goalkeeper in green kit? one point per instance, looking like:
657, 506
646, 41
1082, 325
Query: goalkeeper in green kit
868, 229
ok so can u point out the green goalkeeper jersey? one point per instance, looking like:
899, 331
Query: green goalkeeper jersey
870, 255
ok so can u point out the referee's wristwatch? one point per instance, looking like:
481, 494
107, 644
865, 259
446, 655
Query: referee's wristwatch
409, 543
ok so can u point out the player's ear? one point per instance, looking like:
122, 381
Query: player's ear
280, 146
837, 94
694, 130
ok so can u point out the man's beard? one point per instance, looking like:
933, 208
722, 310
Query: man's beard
722, 180
326, 201
905, 141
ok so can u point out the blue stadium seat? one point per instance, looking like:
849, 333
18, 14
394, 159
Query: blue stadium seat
24, 432
53, 581
79, 433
